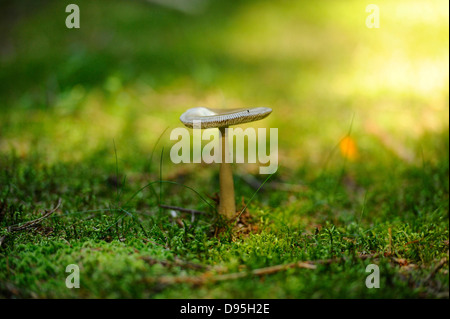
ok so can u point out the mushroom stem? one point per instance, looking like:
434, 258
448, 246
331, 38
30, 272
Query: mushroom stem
227, 206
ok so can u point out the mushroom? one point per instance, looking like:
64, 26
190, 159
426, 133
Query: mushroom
221, 119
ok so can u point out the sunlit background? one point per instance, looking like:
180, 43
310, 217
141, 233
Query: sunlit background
134, 67
85, 120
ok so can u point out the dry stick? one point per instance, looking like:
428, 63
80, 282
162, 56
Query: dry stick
390, 240
35, 222
208, 278
181, 209
286, 187
436, 269
177, 263
202, 279
2, 239
31, 223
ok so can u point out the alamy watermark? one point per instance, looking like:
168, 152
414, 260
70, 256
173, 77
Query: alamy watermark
373, 19
73, 280
261, 148
73, 19
373, 280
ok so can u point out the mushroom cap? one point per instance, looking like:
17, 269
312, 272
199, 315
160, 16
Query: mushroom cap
211, 118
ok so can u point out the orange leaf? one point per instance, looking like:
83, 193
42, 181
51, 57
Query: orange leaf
348, 148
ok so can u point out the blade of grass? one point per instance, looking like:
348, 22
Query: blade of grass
344, 165
117, 173
253, 196
136, 219
160, 179
170, 182
154, 148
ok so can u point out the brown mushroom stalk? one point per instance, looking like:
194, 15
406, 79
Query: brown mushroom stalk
227, 206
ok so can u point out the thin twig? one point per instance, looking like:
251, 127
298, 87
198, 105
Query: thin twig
181, 209
441, 263
35, 222
31, 223
2, 239
208, 278
177, 263
276, 186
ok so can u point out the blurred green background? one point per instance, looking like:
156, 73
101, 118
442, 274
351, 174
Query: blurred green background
134, 66
363, 126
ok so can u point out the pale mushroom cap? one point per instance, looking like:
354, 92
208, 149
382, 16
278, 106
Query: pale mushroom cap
210, 118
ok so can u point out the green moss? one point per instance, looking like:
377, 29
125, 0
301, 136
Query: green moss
73, 100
